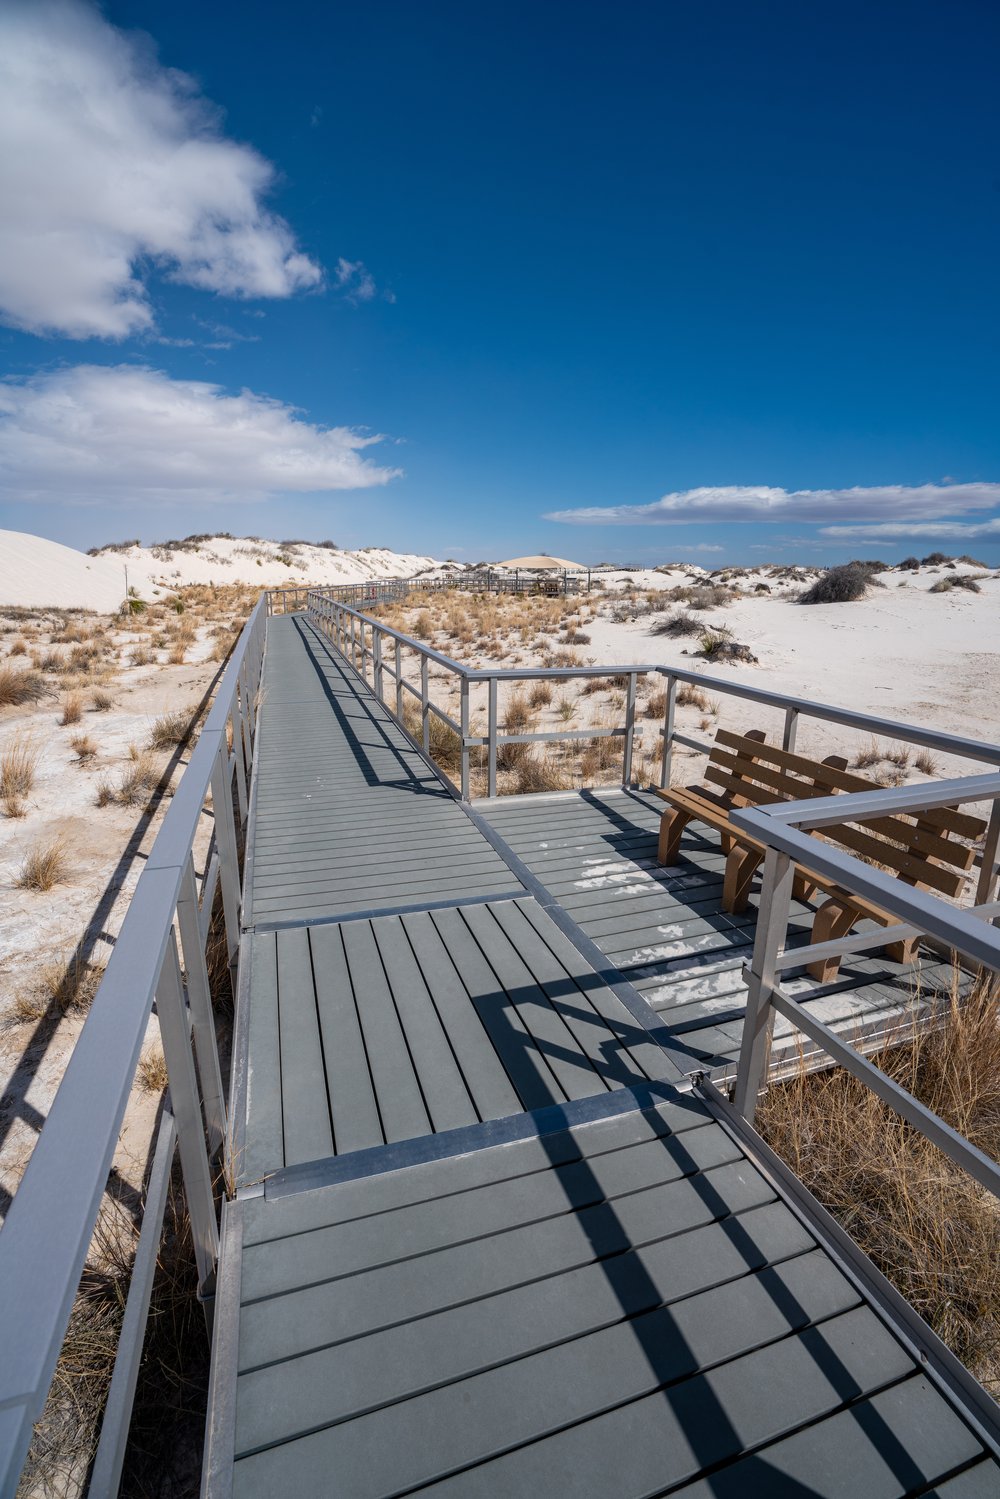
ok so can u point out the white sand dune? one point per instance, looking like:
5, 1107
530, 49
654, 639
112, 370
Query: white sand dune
265, 564
39, 574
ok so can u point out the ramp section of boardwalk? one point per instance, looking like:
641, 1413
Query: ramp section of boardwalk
621, 1308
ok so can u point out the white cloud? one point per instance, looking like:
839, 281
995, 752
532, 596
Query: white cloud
355, 280
933, 529
123, 435
110, 162
704, 546
736, 503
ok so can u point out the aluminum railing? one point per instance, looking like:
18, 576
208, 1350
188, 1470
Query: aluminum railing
159, 953
376, 651
384, 590
969, 933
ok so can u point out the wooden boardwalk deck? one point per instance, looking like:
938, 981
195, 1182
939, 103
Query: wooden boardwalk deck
488, 1239
664, 930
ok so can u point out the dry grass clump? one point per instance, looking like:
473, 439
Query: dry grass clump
656, 705
177, 654
83, 746
45, 865
690, 696
566, 708
142, 656
960, 580
137, 780
517, 714
870, 754
678, 624
540, 695
445, 745
101, 702
539, 773
71, 982
18, 763
19, 647
927, 1225
151, 1073
72, 709
167, 731
925, 762
18, 687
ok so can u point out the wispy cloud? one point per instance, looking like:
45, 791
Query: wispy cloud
739, 503
109, 163
891, 530
124, 435
355, 280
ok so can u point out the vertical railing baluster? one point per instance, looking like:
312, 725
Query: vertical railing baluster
464, 721
491, 735
629, 730
425, 722
791, 727
399, 680
225, 842
669, 712
171, 1013
200, 1003
758, 1019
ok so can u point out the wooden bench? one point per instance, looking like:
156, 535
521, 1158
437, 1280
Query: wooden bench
744, 771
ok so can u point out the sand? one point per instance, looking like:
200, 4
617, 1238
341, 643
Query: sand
40, 574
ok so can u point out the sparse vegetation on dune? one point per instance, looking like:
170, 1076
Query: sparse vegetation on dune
18, 686
18, 763
842, 585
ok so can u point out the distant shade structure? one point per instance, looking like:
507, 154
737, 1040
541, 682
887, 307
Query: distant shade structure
537, 564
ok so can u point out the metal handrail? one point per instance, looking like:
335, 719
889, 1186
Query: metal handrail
332, 613
783, 829
50, 1224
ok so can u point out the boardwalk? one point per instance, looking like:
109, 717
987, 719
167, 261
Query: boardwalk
489, 1239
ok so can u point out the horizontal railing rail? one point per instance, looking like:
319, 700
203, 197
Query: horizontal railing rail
784, 829
159, 954
482, 580
359, 636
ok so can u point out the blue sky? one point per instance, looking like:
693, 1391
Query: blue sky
565, 260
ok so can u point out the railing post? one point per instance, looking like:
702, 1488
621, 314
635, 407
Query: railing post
377, 658
491, 735
176, 1040
225, 842
791, 725
464, 721
399, 680
425, 725
236, 724
988, 868
758, 1021
669, 711
200, 1004
629, 730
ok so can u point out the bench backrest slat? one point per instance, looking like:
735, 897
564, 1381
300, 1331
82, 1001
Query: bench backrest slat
749, 772
949, 818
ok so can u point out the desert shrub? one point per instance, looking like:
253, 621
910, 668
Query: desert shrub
656, 705
44, 865
972, 561
83, 746
177, 654
969, 584
133, 604
935, 559
102, 702
142, 656
719, 645
710, 596
909, 564
19, 647
678, 624
540, 695
137, 780
839, 585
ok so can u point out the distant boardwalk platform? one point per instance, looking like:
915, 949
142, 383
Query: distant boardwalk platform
489, 1237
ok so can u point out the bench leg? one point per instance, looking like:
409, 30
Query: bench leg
903, 952
832, 920
672, 824
741, 866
